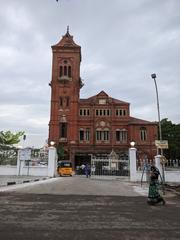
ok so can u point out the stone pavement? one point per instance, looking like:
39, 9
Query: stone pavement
84, 209
78, 217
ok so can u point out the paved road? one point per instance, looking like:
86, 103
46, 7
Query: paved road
55, 212
80, 185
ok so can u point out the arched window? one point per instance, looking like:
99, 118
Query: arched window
65, 70
63, 130
102, 134
81, 134
143, 134
69, 71
61, 71
121, 135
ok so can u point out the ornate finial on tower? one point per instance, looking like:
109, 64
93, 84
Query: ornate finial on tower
68, 29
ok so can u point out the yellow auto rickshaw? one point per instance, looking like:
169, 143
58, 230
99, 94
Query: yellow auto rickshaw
64, 168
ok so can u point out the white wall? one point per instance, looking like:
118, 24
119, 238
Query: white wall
8, 170
136, 176
31, 171
172, 176
35, 171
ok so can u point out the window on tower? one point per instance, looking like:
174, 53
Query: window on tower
61, 71
65, 69
63, 130
69, 71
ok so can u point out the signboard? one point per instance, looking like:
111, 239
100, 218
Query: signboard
163, 144
25, 154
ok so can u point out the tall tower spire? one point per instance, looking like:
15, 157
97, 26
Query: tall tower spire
68, 29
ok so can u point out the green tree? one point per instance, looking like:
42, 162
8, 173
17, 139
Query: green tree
60, 152
171, 132
8, 153
9, 138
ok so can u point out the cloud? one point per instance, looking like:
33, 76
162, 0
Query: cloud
122, 42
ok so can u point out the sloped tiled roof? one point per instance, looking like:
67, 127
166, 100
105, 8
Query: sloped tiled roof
66, 41
101, 94
139, 121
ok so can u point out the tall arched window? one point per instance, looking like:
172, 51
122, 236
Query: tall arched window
61, 71
69, 71
65, 69
102, 134
121, 135
143, 134
63, 130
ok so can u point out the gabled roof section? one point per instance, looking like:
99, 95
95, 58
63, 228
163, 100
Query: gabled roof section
103, 95
66, 41
140, 121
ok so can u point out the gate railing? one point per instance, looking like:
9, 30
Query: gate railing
109, 167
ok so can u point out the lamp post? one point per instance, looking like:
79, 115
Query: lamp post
159, 121
157, 97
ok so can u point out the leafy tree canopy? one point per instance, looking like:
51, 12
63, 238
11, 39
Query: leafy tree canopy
171, 132
9, 138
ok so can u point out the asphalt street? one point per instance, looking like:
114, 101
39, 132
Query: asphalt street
85, 209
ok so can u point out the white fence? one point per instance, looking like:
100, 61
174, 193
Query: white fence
136, 175
23, 169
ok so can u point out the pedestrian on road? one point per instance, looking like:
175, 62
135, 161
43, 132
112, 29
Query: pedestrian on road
154, 196
87, 170
82, 167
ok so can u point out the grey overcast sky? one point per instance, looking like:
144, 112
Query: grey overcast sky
123, 43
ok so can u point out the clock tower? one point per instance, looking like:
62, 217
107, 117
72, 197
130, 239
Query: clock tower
65, 90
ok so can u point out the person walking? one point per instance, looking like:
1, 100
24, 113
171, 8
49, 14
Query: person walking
87, 170
154, 196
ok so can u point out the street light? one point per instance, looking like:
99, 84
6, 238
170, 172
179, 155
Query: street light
159, 120
132, 143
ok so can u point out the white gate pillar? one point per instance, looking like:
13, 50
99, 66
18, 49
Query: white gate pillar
158, 164
132, 162
52, 162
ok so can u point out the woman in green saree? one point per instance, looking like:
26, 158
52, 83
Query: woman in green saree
154, 196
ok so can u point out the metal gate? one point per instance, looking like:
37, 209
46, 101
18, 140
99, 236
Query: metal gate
110, 166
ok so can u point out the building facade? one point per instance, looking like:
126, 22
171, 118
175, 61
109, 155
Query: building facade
97, 125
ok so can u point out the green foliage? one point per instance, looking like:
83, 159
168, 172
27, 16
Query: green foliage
171, 132
9, 138
60, 152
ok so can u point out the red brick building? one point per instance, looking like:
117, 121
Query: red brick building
95, 125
